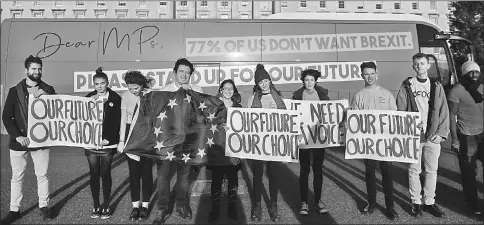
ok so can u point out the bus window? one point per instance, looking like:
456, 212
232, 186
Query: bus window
461, 53
439, 67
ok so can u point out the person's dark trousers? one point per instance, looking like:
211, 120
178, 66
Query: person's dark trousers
305, 165
387, 181
218, 173
272, 173
140, 176
165, 168
471, 149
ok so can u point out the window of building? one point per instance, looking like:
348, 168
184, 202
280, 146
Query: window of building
303, 4
183, 16
163, 16
57, 3
17, 3
38, 3
415, 5
224, 16
16, 14
79, 13
283, 4
264, 5
204, 16
434, 18
396, 5
163, 4
184, 3
122, 3
142, 3
58, 14
38, 13
361, 5
100, 14
322, 4
244, 3
204, 3
264, 15
224, 4
101, 3
341, 4
433, 5
449, 6
121, 14
379, 5
142, 14
79, 3
244, 16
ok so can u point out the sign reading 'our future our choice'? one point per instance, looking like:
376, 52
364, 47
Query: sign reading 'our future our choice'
64, 120
262, 134
383, 135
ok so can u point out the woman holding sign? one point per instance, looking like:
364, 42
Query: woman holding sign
311, 91
228, 166
100, 159
138, 169
265, 96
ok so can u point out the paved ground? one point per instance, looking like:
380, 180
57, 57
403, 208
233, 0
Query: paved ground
344, 193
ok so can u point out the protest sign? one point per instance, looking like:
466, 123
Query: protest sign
262, 134
320, 122
383, 135
64, 120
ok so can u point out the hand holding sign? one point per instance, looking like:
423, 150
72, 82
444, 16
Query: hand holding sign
24, 141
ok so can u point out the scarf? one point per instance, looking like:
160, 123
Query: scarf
256, 102
472, 87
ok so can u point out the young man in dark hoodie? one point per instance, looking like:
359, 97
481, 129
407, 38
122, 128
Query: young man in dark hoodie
425, 95
466, 107
14, 118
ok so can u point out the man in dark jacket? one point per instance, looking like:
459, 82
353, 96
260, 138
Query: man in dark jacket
14, 118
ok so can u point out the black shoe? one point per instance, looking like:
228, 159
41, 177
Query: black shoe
106, 214
391, 213
46, 214
160, 218
434, 210
256, 212
416, 211
273, 213
11, 217
232, 212
184, 212
369, 209
96, 213
134, 214
143, 214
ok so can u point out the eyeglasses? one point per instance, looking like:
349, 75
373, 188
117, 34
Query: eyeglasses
227, 89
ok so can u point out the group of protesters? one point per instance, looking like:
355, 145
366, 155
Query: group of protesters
459, 113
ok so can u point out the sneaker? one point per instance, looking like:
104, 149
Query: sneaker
134, 214
304, 209
96, 213
369, 209
143, 215
416, 211
321, 207
160, 217
11, 217
434, 210
46, 214
106, 214
391, 213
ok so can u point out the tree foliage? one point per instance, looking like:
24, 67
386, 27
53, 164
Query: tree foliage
466, 20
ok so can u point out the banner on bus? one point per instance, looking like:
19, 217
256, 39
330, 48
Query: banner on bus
242, 75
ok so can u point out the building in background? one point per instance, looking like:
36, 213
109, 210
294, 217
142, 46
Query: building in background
436, 11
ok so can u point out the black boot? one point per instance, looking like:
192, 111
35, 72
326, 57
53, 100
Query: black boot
214, 212
273, 213
232, 207
256, 212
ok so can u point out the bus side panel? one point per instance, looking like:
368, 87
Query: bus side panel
304, 42
140, 41
5, 35
390, 45
214, 42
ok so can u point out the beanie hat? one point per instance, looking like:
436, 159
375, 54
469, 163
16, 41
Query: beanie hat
261, 74
470, 66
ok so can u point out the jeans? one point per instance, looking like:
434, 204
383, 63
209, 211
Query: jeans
430, 159
387, 181
471, 149
305, 165
165, 169
18, 161
218, 173
272, 173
